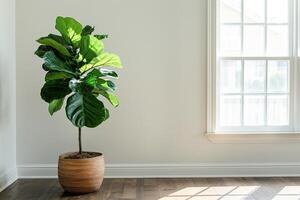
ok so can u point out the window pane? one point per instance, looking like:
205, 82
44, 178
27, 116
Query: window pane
254, 109
277, 11
231, 40
254, 40
230, 74
278, 42
278, 106
254, 76
230, 110
278, 76
254, 11
230, 11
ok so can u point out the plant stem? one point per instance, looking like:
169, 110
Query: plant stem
79, 140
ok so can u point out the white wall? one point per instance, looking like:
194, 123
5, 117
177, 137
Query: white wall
7, 93
162, 88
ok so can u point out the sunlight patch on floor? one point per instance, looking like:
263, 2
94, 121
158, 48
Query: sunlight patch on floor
212, 193
286, 197
288, 190
288, 193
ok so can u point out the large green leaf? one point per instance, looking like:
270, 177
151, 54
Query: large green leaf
106, 89
40, 52
104, 59
54, 44
58, 39
52, 62
112, 98
84, 109
90, 47
55, 105
102, 72
55, 89
92, 79
54, 75
70, 29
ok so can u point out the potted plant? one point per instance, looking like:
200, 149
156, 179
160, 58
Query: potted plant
74, 62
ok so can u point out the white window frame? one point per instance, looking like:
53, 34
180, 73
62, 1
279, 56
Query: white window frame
294, 79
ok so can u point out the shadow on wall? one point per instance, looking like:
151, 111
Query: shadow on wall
5, 99
4, 179
5, 113
5, 123
2, 103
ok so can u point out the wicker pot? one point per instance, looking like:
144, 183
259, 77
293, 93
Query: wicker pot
80, 176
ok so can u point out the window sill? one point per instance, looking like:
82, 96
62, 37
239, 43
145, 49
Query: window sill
252, 138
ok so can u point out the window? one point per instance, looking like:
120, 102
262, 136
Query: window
253, 66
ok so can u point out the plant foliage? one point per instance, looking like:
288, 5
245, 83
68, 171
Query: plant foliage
74, 62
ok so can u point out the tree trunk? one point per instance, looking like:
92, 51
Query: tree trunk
79, 140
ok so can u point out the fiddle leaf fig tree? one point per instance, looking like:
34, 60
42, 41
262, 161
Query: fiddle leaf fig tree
75, 63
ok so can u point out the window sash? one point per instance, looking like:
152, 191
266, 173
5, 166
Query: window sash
266, 94
214, 59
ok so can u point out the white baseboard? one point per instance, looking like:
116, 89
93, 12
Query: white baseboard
174, 170
7, 178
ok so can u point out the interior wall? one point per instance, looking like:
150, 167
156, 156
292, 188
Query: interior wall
162, 88
7, 94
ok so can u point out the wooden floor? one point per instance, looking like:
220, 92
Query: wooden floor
164, 189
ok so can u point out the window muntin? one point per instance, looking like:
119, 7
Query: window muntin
254, 27
253, 65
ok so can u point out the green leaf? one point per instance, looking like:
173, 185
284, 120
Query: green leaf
40, 52
85, 110
112, 98
45, 67
101, 72
87, 30
106, 114
54, 44
77, 85
105, 59
58, 39
106, 85
55, 89
54, 75
92, 79
55, 105
101, 37
52, 62
70, 29
90, 47
104, 91
107, 72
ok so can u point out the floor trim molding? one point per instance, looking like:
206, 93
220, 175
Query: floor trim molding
175, 170
7, 178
